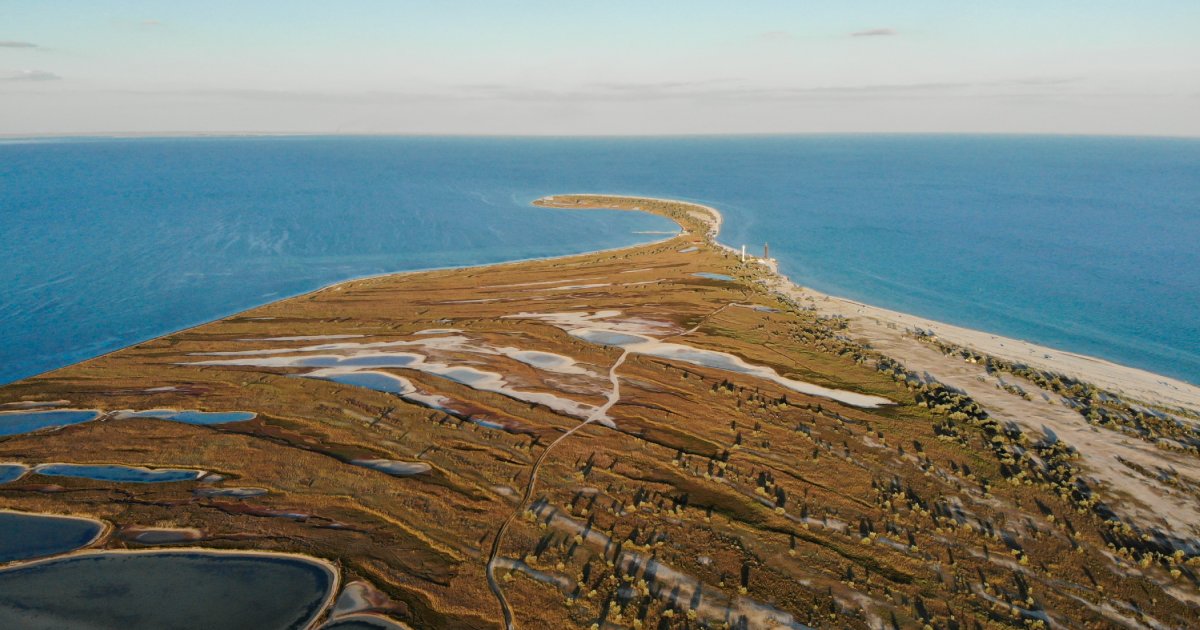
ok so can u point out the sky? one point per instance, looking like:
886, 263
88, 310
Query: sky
600, 67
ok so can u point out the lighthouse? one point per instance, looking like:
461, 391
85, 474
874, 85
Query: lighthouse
743, 253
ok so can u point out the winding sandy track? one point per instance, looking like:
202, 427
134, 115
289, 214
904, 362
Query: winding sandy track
614, 395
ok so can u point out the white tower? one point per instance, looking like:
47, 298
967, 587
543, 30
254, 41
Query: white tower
743, 253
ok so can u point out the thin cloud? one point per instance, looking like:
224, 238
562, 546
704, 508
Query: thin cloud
1044, 81
151, 23
875, 32
31, 75
659, 85
12, 44
725, 90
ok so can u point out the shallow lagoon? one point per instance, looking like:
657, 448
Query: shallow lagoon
547, 361
609, 337
192, 416
24, 536
378, 381
177, 589
241, 493
18, 422
117, 472
713, 276
12, 472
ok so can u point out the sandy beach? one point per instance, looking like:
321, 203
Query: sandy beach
882, 324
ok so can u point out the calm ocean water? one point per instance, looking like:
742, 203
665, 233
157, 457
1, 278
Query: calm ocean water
1086, 244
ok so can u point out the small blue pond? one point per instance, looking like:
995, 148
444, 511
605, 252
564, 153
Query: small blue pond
544, 360
466, 375
12, 472
117, 472
393, 467
608, 337
707, 358
241, 493
154, 590
18, 422
193, 416
24, 536
378, 381
381, 359
713, 276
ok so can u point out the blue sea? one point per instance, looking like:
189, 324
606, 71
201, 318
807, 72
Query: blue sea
1087, 244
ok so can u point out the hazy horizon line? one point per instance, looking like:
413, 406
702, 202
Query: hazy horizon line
441, 134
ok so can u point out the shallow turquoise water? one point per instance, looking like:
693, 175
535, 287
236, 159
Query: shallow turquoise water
1084, 244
